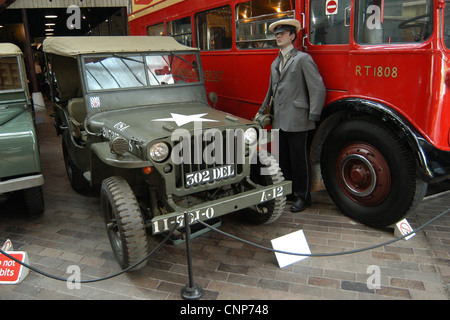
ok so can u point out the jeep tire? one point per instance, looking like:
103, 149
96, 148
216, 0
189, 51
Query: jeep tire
124, 222
74, 174
34, 200
266, 172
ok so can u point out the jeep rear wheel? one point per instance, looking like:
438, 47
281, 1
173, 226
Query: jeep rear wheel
266, 172
74, 174
124, 222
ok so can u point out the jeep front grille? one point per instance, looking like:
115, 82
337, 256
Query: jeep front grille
198, 161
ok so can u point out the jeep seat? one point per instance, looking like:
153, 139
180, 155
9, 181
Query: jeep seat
77, 113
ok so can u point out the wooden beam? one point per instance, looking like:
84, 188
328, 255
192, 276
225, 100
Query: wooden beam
28, 52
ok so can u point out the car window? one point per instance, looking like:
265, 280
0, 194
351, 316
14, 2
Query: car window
115, 72
135, 71
9, 74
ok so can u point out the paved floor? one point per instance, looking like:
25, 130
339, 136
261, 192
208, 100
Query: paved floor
71, 232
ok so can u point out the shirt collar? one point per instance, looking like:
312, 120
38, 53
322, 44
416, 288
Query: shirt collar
285, 51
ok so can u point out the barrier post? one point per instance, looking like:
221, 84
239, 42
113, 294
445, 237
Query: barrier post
190, 291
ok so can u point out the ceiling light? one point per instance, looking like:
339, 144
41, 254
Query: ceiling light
50, 24
49, 30
51, 16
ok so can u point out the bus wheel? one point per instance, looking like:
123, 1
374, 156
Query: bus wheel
266, 172
370, 174
124, 222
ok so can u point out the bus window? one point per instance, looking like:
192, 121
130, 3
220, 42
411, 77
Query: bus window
253, 19
181, 30
446, 34
156, 30
214, 29
329, 25
394, 21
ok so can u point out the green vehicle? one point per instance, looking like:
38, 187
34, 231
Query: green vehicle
135, 120
20, 166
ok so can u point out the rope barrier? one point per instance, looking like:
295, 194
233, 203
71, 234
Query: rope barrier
235, 238
99, 279
324, 254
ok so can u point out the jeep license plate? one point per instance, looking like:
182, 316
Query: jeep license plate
208, 175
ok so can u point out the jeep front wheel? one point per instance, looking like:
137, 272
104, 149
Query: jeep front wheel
266, 172
124, 222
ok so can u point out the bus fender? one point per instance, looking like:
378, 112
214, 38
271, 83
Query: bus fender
348, 108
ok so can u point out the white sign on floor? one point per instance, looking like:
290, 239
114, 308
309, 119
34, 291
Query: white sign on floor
294, 242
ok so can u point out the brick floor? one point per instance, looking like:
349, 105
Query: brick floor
71, 232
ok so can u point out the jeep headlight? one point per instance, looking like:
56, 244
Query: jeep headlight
250, 136
159, 151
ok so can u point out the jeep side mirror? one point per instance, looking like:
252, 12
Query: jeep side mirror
213, 98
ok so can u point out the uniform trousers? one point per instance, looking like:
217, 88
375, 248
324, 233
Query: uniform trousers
294, 161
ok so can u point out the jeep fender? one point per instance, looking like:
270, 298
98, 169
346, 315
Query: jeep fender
104, 163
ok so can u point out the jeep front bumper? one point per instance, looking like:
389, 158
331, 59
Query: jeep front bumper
222, 206
21, 183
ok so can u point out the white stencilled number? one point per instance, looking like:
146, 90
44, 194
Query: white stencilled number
209, 213
278, 191
274, 193
197, 178
205, 176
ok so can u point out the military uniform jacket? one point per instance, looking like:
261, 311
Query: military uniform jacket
300, 95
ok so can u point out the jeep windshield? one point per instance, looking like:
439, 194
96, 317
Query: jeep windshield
122, 70
9, 74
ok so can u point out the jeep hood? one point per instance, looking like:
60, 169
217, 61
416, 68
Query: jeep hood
156, 122
8, 114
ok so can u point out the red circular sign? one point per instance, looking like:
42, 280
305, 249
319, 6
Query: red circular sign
332, 7
405, 228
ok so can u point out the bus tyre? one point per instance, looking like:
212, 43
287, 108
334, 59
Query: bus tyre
266, 172
124, 222
370, 174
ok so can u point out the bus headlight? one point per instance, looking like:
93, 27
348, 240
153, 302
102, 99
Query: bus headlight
250, 136
159, 151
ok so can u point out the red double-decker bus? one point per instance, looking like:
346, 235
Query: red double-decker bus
385, 128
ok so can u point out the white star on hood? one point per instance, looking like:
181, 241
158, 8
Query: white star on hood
181, 119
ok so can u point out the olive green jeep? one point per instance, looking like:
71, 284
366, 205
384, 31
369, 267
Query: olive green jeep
135, 119
20, 166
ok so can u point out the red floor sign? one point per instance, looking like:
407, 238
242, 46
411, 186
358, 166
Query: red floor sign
12, 272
